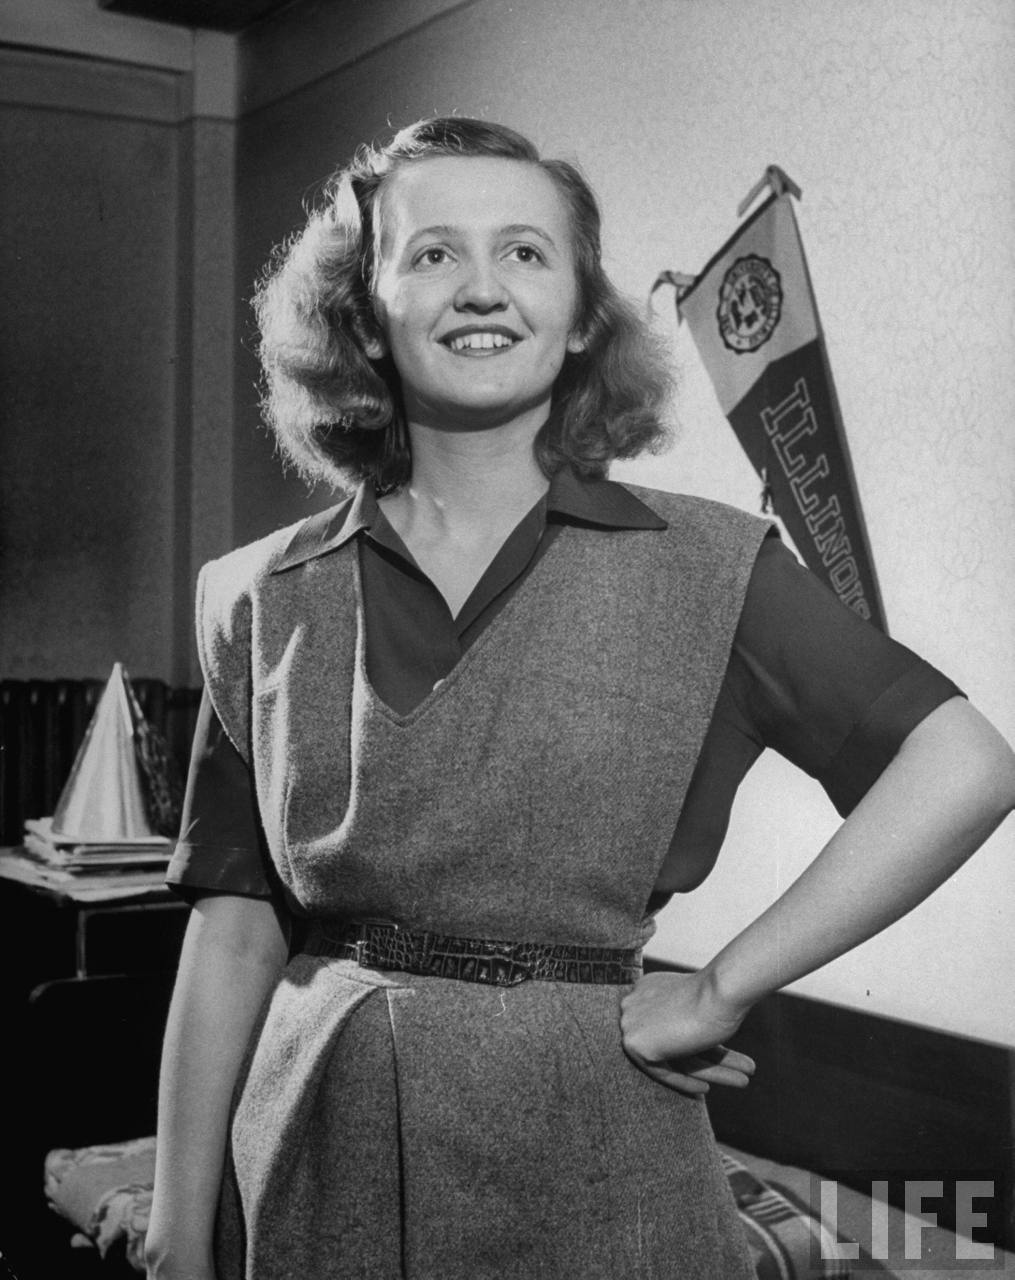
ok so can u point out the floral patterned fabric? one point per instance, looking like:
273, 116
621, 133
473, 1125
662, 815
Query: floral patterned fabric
106, 1192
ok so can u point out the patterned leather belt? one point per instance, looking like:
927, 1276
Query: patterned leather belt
383, 945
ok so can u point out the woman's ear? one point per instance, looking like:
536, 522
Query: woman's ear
371, 333
374, 345
576, 343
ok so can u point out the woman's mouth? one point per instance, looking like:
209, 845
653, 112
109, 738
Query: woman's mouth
480, 342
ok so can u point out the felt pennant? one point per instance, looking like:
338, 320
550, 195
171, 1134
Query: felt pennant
754, 320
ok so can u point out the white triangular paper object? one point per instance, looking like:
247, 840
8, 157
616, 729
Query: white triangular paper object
102, 799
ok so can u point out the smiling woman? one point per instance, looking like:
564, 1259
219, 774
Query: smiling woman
463, 734
341, 418
478, 308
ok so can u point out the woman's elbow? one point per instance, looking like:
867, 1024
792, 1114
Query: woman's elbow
996, 766
997, 784
999, 773
968, 753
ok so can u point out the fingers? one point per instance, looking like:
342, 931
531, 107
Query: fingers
695, 1074
721, 1075
674, 1079
719, 1055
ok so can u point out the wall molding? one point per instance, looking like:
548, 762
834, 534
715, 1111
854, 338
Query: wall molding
203, 65
55, 81
70, 26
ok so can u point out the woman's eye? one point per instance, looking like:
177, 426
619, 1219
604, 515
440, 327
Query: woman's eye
435, 257
525, 253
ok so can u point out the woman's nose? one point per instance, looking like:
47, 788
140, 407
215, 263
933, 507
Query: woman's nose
480, 289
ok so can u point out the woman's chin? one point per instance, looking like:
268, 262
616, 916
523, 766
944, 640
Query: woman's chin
482, 414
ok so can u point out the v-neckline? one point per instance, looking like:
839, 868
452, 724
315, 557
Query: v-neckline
465, 659
388, 538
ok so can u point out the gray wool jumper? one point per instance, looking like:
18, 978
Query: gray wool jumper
389, 1125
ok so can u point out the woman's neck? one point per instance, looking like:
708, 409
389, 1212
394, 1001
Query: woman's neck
465, 484
467, 493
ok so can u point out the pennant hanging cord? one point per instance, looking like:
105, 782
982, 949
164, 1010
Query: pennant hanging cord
681, 282
777, 180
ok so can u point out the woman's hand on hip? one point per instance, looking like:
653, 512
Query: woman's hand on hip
673, 1026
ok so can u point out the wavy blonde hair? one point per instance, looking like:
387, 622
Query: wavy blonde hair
337, 414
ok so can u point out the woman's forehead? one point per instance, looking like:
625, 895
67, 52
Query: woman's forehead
477, 193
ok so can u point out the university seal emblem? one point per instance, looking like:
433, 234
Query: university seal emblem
750, 304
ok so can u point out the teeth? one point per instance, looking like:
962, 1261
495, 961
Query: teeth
480, 341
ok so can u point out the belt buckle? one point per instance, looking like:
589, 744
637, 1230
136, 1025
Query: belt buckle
369, 946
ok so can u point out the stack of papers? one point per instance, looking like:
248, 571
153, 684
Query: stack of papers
76, 853
86, 869
99, 843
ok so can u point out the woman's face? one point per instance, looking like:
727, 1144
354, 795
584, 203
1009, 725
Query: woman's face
475, 291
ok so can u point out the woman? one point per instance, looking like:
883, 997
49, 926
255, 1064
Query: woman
463, 734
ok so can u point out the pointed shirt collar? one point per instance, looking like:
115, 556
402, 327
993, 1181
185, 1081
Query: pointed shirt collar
569, 500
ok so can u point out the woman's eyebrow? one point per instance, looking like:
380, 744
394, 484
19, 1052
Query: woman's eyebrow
528, 229
439, 229
445, 229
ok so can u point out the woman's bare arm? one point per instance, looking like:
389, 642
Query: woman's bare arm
233, 952
951, 783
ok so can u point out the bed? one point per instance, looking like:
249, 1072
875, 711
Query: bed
104, 1195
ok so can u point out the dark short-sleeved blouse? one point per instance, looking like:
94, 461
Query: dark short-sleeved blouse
806, 676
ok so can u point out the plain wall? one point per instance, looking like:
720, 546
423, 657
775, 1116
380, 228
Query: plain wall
116, 345
88, 253
896, 122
